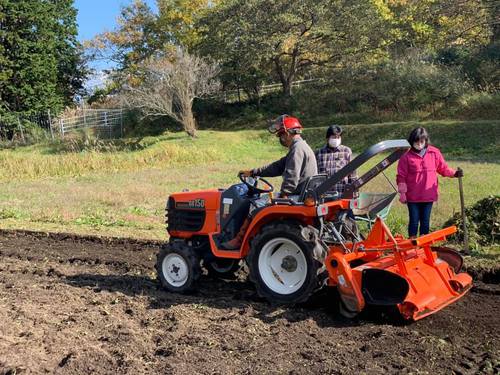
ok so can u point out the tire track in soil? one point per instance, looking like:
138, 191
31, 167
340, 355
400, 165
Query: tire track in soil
80, 305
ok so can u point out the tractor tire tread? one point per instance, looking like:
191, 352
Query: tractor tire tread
192, 258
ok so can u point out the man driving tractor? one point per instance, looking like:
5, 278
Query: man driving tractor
298, 164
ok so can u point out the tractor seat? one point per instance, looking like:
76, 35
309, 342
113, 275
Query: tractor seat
311, 183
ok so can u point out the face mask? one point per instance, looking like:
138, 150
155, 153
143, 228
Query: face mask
334, 142
419, 146
283, 140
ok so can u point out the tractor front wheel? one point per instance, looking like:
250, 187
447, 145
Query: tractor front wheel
178, 267
282, 265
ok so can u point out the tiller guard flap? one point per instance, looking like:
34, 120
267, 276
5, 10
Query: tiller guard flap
411, 274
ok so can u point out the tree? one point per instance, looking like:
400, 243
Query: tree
71, 63
170, 83
141, 33
40, 61
177, 20
288, 38
135, 39
434, 24
480, 62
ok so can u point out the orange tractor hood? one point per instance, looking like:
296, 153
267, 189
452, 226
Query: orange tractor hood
208, 199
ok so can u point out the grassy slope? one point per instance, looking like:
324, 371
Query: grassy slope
123, 193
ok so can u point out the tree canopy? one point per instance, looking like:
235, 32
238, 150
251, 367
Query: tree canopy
286, 39
41, 63
141, 33
264, 41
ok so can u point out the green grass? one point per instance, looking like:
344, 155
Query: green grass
459, 140
122, 192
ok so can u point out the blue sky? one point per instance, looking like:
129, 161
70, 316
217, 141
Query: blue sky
96, 16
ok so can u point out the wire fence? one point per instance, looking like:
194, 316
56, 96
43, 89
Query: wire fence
239, 95
105, 122
14, 127
102, 123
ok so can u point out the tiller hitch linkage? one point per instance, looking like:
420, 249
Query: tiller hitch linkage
410, 273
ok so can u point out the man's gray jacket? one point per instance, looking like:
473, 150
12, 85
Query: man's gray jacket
295, 167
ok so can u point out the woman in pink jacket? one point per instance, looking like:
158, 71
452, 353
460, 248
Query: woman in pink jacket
417, 179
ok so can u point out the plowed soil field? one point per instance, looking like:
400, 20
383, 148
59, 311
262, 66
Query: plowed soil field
74, 305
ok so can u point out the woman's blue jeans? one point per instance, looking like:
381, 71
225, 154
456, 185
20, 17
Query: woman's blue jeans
420, 212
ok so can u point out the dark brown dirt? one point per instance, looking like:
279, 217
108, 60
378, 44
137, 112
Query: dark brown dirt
79, 306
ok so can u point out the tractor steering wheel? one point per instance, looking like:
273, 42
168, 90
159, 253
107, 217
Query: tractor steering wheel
252, 182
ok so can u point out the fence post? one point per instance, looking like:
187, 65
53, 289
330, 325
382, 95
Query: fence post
121, 122
106, 124
84, 117
21, 129
62, 127
50, 125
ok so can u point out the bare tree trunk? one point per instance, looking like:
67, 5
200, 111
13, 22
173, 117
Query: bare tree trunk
188, 121
257, 95
287, 87
286, 79
170, 85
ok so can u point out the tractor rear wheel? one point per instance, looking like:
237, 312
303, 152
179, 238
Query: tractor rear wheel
282, 265
222, 268
178, 267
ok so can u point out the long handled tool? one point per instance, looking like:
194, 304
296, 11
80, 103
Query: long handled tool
464, 217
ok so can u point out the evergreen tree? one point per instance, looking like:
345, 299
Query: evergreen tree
40, 58
71, 66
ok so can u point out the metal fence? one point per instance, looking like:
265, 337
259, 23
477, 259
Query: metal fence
13, 126
105, 122
238, 95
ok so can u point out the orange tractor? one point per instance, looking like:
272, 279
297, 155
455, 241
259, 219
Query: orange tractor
295, 246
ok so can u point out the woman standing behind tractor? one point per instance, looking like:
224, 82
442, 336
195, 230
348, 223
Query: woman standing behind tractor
417, 179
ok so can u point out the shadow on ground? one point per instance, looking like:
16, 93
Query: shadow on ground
235, 294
